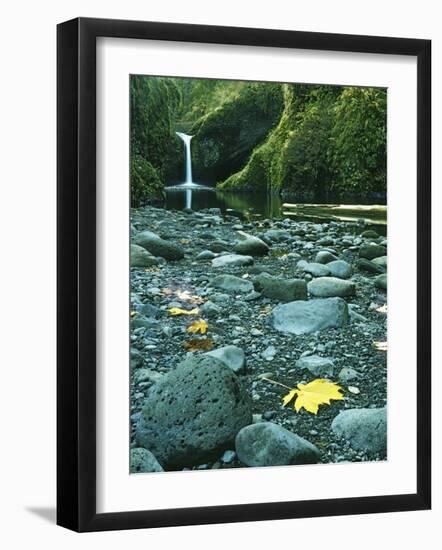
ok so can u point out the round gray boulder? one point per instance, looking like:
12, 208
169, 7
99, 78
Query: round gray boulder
194, 413
251, 245
267, 444
140, 257
340, 269
371, 251
232, 283
319, 366
232, 260
158, 246
364, 429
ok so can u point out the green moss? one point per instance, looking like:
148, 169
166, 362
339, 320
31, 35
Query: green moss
225, 137
144, 182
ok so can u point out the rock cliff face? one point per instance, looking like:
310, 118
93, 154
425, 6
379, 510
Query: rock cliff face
225, 138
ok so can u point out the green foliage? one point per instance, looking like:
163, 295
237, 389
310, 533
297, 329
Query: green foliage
296, 139
328, 138
358, 152
154, 103
145, 183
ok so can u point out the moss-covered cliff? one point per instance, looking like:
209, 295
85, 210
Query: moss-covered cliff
296, 139
156, 152
225, 137
328, 139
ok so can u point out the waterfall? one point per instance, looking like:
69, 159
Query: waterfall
186, 138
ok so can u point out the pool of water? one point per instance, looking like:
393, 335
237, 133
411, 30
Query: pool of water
253, 205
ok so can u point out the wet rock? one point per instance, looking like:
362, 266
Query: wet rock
340, 269
369, 234
228, 456
252, 246
232, 283
315, 269
158, 246
327, 287
321, 367
232, 260
369, 266
304, 317
143, 461
347, 374
205, 255
381, 261
194, 413
284, 290
147, 375
324, 257
232, 356
371, 251
269, 353
364, 429
219, 246
381, 281
267, 444
140, 257
210, 310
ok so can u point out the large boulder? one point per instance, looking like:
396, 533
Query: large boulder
304, 317
327, 287
267, 444
371, 251
158, 246
230, 283
194, 413
251, 245
232, 356
140, 257
143, 461
364, 429
284, 290
232, 260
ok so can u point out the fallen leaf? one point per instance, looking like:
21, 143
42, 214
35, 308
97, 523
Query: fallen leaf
187, 297
310, 396
382, 309
198, 326
380, 346
198, 344
133, 313
184, 241
179, 311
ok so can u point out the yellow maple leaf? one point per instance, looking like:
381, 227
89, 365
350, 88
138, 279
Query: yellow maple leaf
133, 313
198, 326
179, 311
310, 396
198, 344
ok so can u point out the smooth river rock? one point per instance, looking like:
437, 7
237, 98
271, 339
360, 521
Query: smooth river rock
371, 251
252, 246
232, 260
340, 269
267, 444
327, 287
194, 413
158, 246
304, 317
319, 366
232, 356
140, 257
364, 429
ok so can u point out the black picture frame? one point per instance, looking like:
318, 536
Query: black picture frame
76, 273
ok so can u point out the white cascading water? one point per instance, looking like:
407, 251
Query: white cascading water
188, 183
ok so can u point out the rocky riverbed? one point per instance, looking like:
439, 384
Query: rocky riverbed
283, 300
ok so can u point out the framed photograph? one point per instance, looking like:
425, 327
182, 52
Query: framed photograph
243, 274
